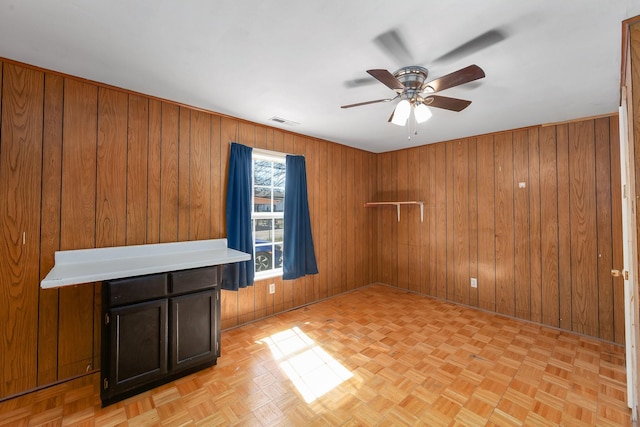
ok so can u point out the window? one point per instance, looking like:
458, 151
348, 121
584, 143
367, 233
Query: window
267, 217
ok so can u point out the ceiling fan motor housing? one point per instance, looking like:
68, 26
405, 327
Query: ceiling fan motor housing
412, 77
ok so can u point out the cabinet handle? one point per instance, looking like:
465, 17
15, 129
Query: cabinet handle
106, 318
105, 383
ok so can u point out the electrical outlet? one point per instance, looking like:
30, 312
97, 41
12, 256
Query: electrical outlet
474, 282
272, 288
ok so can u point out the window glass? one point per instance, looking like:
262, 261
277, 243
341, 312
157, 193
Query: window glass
268, 214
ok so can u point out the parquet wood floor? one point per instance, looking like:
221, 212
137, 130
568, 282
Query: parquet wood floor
377, 356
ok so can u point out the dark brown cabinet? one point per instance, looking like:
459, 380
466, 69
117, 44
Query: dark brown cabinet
157, 328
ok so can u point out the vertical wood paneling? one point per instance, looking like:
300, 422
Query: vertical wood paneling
184, 160
402, 249
522, 255
604, 248
351, 276
200, 176
486, 224
137, 169
505, 291
412, 217
450, 237
564, 227
154, 170
111, 200
584, 256
549, 220
535, 233
473, 219
20, 177
460, 220
321, 230
78, 220
440, 182
432, 211
169, 174
424, 174
217, 180
50, 227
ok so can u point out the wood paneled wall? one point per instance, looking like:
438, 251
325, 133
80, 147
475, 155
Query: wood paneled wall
533, 214
84, 165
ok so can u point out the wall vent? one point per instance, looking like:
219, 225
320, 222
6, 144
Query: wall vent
283, 121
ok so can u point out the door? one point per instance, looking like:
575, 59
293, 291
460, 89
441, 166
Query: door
193, 330
629, 271
138, 339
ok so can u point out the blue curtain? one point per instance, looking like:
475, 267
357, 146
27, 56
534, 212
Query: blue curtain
239, 235
299, 258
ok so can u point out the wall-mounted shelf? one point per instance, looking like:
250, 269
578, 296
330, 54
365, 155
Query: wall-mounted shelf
397, 205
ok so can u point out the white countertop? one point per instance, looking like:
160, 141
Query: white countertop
92, 265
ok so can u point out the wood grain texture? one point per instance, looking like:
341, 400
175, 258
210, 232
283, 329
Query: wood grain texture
20, 175
137, 169
402, 247
450, 289
549, 220
460, 220
604, 249
505, 207
78, 223
169, 201
564, 227
522, 227
111, 200
486, 224
200, 177
154, 171
584, 255
184, 160
505, 290
440, 235
50, 227
535, 234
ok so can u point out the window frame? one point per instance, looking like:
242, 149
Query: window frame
273, 157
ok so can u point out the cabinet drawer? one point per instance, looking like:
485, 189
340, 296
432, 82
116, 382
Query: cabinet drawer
193, 280
137, 289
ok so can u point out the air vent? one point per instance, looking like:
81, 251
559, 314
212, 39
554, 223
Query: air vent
283, 121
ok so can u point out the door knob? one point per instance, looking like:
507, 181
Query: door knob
618, 273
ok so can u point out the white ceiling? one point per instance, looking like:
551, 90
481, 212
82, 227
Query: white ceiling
252, 59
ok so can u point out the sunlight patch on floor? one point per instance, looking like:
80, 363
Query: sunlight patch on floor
311, 369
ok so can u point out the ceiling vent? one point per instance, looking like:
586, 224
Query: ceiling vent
282, 121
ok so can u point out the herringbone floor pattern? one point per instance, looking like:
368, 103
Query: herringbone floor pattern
377, 356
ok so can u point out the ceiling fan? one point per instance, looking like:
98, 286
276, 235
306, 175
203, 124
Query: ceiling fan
415, 93
410, 82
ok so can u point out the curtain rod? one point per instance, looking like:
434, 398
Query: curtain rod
267, 152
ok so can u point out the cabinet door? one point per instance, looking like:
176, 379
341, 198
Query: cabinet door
138, 339
193, 330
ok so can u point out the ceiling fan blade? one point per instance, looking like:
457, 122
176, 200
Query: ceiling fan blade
365, 103
388, 79
465, 75
363, 81
453, 104
478, 43
392, 44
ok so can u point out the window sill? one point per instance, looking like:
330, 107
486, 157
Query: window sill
268, 274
